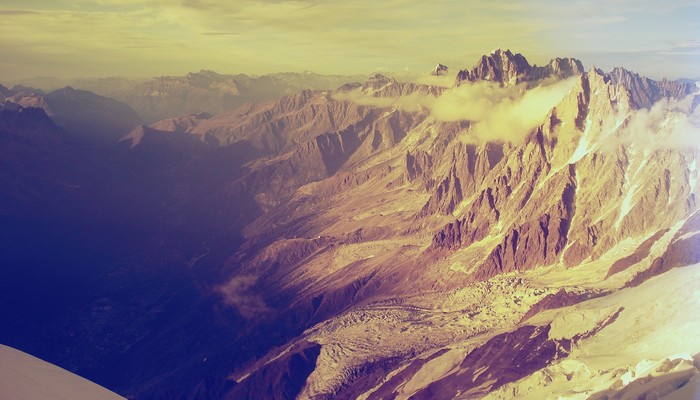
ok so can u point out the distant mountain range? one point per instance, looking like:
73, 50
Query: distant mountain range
530, 232
208, 91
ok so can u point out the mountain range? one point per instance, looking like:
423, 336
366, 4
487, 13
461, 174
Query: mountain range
529, 232
204, 91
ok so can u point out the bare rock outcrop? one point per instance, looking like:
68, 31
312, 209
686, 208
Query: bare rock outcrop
474, 227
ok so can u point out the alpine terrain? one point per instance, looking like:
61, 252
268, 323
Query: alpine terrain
522, 231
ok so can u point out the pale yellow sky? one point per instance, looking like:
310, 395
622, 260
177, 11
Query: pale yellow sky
80, 38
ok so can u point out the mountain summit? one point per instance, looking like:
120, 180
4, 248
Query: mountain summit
508, 69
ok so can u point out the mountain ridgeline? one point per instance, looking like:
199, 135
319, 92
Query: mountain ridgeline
346, 243
204, 91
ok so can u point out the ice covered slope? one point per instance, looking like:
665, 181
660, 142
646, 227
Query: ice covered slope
650, 351
24, 377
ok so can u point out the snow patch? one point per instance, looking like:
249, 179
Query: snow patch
584, 144
463, 204
688, 235
626, 205
631, 187
692, 174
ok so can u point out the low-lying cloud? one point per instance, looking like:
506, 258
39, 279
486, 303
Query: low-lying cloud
239, 293
496, 113
668, 124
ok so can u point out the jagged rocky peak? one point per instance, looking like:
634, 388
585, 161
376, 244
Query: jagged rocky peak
566, 65
644, 92
27, 99
204, 73
618, 98
379, 85
440, 70
561, 67
378, 81
374, 83
508, 69
500, 66
202, 80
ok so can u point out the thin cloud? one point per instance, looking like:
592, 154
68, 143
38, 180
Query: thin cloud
220, 33
686, 44
503, 114
239, 293
18, 12
602, 20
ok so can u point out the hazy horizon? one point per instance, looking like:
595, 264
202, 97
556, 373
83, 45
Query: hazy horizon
137, 39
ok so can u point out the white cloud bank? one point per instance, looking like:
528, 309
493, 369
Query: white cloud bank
668, 124
496, 113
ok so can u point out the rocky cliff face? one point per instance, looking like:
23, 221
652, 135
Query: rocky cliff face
543, 180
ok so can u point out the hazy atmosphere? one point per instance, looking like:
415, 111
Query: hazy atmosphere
328, 200
80, 38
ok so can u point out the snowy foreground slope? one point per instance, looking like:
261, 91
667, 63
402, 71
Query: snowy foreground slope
650, 351
24, 377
